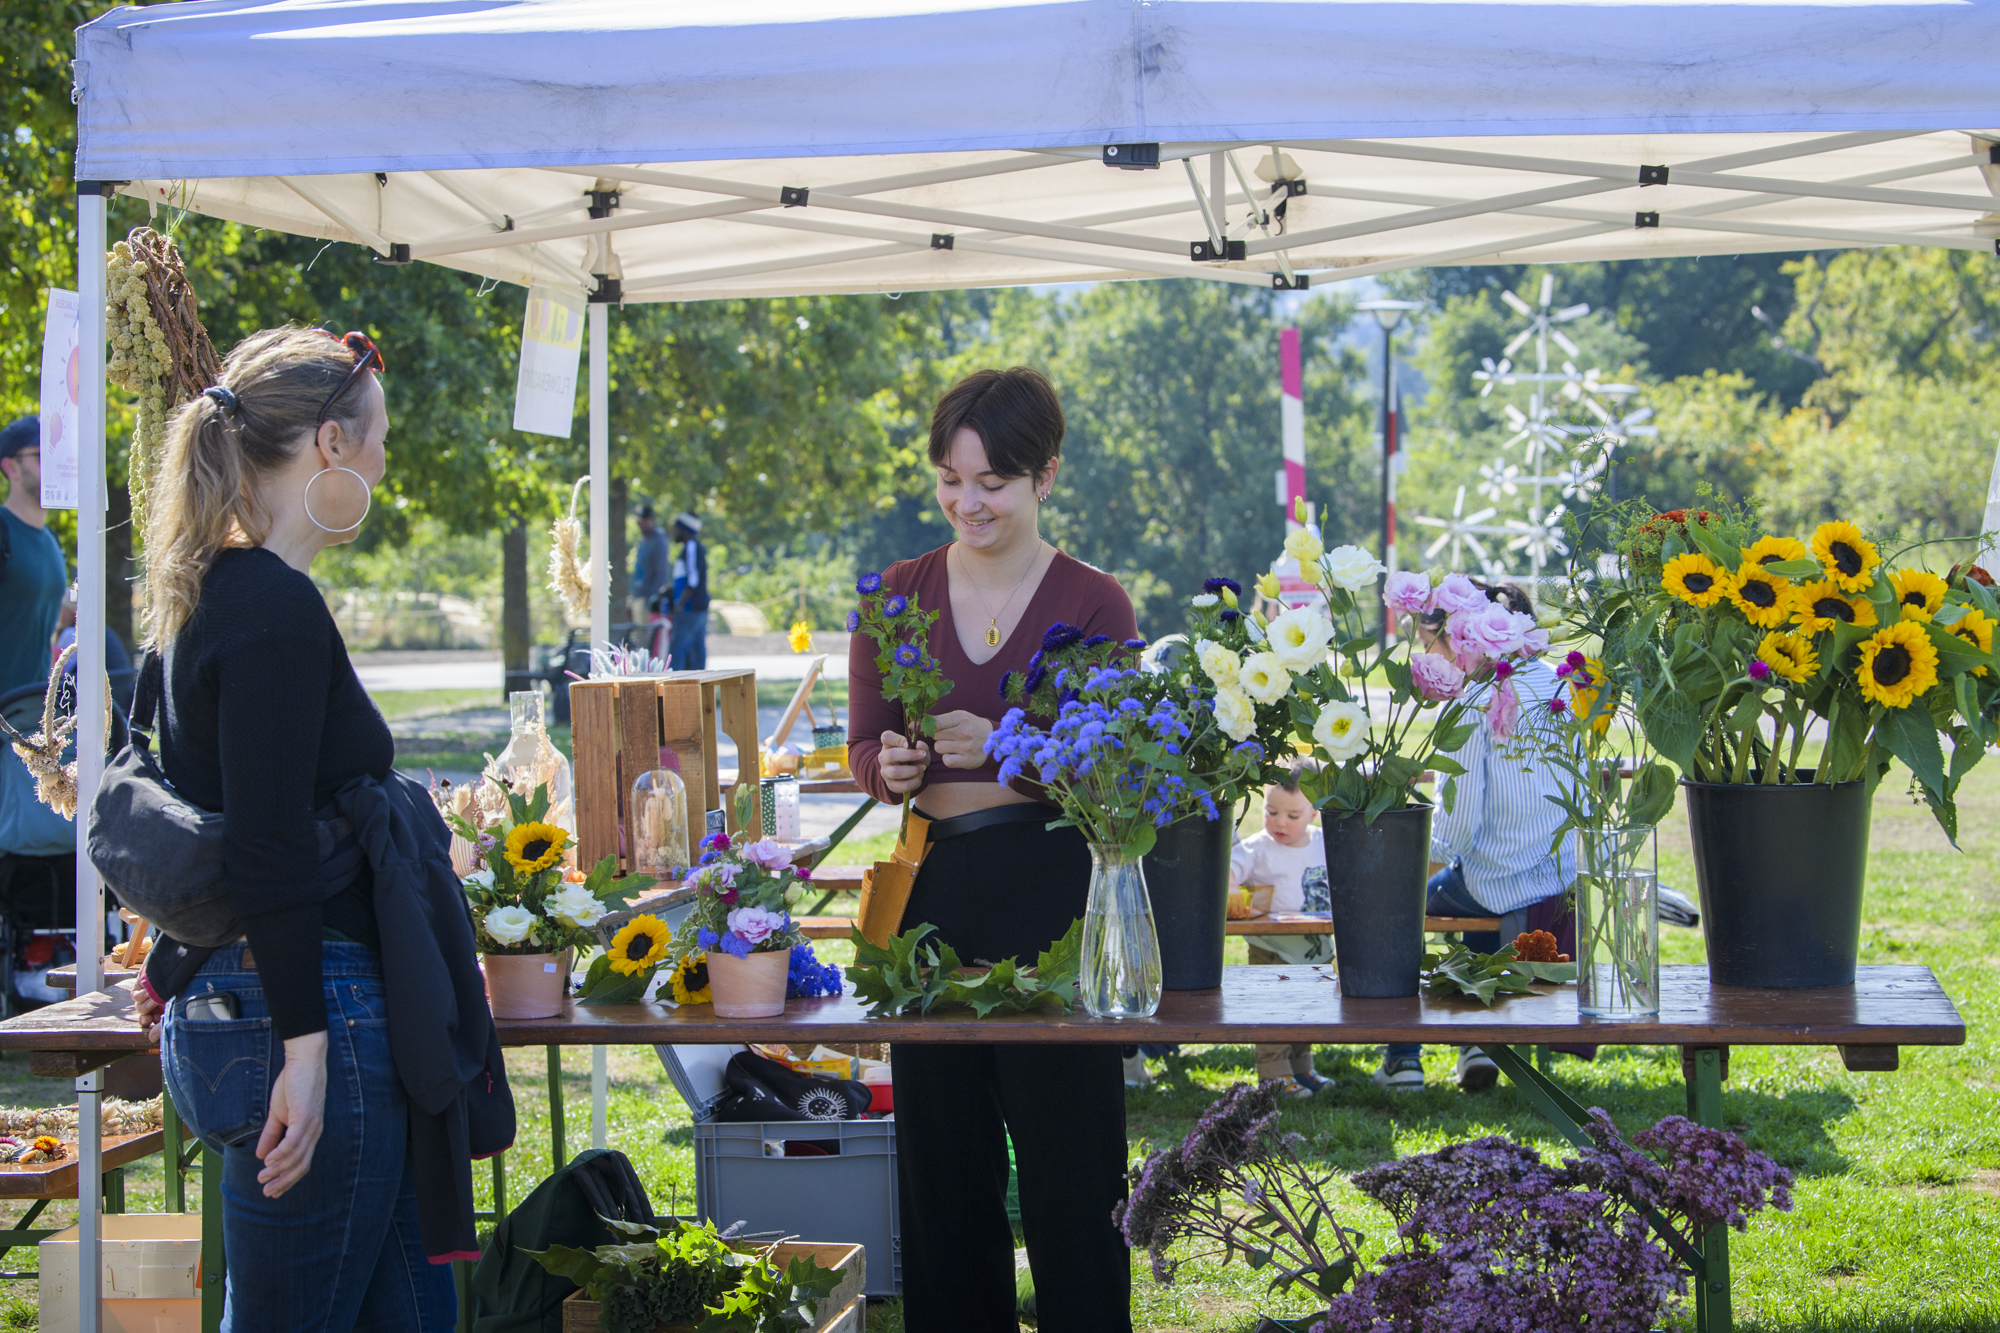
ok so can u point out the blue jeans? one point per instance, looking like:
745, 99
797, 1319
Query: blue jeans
340, 1249
1450, 897
687, 647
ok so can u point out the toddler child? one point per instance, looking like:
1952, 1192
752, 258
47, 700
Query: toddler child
1290, 856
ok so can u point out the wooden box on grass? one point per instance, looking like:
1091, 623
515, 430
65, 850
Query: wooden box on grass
619, 727
840, 1312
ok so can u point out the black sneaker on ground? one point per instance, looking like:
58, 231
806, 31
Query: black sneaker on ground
1475, 1072
1405, 1073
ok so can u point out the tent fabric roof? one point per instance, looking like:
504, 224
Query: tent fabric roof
1423, 133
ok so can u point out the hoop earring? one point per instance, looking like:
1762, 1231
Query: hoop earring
368, 499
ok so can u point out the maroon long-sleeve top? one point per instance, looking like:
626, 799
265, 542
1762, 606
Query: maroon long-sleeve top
1071, 592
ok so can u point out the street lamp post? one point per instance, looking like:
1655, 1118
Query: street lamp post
1388, 314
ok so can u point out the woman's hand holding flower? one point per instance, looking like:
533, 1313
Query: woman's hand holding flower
961, 739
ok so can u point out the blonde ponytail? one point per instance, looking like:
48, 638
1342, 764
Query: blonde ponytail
204, 494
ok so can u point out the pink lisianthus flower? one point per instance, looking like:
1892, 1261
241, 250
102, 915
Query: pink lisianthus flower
768, 853
1436, 676
1535, 642
1503, 710
1492, 631
1458, 595
757, 924
1407, 594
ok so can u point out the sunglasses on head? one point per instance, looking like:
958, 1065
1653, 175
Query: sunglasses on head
367, 356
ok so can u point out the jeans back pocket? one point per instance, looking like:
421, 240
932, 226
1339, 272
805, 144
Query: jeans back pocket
220, 1075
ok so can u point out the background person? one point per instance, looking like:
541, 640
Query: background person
1289, 855
997, 883
1491, 849
652, 577
689, 637
33, 577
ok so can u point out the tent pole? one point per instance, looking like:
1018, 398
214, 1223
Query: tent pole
91, 724
600, 474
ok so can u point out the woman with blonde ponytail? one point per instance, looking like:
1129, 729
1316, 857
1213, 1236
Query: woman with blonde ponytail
277, 1049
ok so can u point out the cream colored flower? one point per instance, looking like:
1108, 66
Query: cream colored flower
509, 925
575, 906
1304, 545
1353, 568
1264, 678
1342, 731
1234, 714
1299, 638
1217, 662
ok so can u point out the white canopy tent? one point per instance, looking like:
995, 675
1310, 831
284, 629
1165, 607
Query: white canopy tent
656, 150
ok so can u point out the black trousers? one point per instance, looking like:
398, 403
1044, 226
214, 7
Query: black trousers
1007, 892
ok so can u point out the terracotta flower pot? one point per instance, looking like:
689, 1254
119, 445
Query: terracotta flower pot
526, 985
752, 987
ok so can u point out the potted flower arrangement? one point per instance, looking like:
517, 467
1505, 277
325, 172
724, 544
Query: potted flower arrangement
1340, 677
530, 910
1113, 748
1738, 643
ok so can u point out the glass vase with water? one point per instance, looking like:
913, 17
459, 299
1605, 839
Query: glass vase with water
1618, 924
1121, 950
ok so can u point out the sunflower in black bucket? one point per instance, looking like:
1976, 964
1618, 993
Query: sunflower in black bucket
1848, 558
1898, 664
1821, 606
1919, 593
1695, 579
1764, 599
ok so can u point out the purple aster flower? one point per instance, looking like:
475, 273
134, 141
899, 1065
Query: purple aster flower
908, 655
1035, 678
896, 605
1217, 585
868, 583
1006, 682
1230, 615
853, 621
1059, 636
1760, 671
1096, 639
1136, 645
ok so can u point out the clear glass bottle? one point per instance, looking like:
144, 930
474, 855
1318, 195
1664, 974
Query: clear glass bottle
658, 817
1618, 924
1121, 949
532, 760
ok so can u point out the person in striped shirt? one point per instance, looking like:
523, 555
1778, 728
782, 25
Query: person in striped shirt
1490, 851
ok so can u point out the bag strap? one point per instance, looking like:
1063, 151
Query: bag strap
146, 694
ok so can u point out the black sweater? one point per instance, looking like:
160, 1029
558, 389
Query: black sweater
265, 721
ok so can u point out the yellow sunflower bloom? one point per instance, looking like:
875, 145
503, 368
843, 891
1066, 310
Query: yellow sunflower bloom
1764, 599
1848, 558
1919, 592
1583, 697
1695, 579
1976, 628
1788, 655
639, 944
690, 981
1898, 664
533, 847
1820, 606
1771, 550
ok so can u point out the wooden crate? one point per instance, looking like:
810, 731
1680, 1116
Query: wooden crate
841, 1312
618, 729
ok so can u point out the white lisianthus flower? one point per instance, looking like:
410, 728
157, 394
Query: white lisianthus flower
1353, 568
1342, 730
1217, 662
1304, 545
1204, 600
1313, 574
510, 925
1234, 714
1264, 678
574, 906
1300, 637
480, 879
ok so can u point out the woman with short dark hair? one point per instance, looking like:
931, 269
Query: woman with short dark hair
997, 883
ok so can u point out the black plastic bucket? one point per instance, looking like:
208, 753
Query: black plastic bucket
1781, 871
1187, 879
1376, 875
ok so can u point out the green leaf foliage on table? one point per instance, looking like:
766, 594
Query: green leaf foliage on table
1485, 977
687, 1273
912, 974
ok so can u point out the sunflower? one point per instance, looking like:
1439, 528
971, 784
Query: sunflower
1848, 558
1764, 599
1898, 663
1695, 579
534, 847
1976, 628
1819, 606
1772, 550
690, 981
639, 944
1584, 687
1920, 592
1789, 655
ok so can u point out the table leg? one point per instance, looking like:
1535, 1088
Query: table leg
170, 1130
558, 1153
114, 1190
213, 1269
1712, 1312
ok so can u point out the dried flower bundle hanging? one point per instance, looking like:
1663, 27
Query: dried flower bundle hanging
42, 753
159, 349
568, 579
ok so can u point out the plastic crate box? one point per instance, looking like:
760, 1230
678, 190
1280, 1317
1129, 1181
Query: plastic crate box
845, 1190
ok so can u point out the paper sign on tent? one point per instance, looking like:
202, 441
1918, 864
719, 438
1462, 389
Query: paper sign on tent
62, 419
551, 339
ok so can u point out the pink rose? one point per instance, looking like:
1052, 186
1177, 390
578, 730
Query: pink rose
757, 924
1491, 631
1435, 676
1458, 594
1503, 710
768, 853
1407, 594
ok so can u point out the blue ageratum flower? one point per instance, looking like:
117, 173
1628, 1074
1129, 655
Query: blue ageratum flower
895, 606
1251, 748
868, 583
1059, 636
1136, 645
908, 655
1217, 585
706, 938
853, 621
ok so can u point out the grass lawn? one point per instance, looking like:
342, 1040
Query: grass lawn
1899, 1174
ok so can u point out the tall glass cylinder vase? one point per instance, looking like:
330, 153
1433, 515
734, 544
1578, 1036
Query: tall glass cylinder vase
1618, 924
1121, 950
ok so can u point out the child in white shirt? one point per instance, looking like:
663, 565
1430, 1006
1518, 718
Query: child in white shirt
1290, 856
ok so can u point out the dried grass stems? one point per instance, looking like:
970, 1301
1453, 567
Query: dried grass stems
568, 579
41, 753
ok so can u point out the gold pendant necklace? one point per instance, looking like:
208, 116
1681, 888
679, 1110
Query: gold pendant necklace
992, 635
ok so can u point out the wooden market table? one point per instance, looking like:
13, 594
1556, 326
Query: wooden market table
1270, 923
1888, 1007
